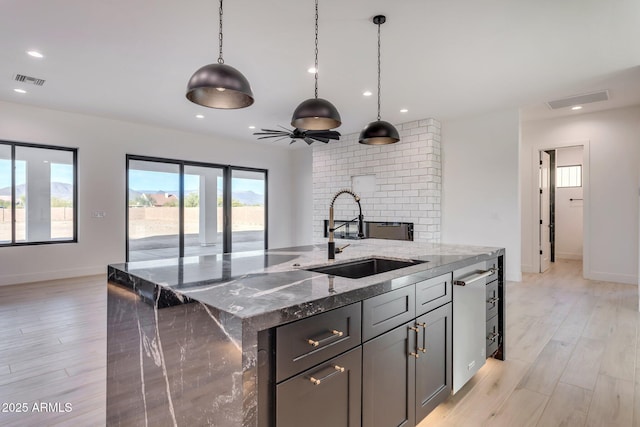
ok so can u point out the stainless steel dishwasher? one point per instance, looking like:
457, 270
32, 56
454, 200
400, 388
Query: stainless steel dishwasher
469, 322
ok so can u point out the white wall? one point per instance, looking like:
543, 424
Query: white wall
611, 210
405, 179
103, 144
568, 224
481, 194
302, 189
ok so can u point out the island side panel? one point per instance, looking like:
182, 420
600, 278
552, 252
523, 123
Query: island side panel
173, 366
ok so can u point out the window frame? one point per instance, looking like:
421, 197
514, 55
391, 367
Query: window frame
568, 166
74, 151
227, 233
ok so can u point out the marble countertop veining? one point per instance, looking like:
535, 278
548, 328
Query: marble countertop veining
262, 283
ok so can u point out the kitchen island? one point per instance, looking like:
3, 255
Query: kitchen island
183, 335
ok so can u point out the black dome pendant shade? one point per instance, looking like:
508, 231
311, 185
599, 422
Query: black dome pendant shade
219, 85
316, 113
379, 132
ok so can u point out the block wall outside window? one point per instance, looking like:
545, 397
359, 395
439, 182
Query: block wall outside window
408, 179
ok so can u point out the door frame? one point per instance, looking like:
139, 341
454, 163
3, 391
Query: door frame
535, 199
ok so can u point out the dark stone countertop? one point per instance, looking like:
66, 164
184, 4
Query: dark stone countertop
273, 286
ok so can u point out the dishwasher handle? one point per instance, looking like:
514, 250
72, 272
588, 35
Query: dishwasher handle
467, 280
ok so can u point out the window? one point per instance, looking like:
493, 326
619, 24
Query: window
178, 208
569, 176
38, 194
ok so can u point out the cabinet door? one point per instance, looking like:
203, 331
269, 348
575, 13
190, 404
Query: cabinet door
433, 367
326, 395
388, 379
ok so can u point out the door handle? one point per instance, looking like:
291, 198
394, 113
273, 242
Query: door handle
424, 337
415, 352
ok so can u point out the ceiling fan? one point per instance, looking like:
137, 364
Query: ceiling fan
309, 136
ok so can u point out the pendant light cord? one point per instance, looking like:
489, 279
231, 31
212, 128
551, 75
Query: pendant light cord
378, 72
220, 60
316, 52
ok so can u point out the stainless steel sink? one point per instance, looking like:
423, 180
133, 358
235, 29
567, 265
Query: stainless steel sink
364, 267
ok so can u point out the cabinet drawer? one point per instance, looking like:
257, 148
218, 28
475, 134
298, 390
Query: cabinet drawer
384, 312
432, 293
492, 299
307, 342
326, 395
493, 336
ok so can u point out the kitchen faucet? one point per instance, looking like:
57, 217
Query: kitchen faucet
332, 228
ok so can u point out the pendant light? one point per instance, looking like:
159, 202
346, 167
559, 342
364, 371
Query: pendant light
379, 132
316, 113
219, 85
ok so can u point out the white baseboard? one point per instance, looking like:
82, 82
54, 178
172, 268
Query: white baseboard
527, 268
16, 279
613, 277
567, 255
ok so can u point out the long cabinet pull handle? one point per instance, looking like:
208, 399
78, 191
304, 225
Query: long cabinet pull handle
493, 336
424, 337
493, 300
334, 334
318, 381
414, 353
474, 277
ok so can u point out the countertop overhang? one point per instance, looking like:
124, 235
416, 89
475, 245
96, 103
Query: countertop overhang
261, 284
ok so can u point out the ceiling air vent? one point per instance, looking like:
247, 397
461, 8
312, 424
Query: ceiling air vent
28, 79
579, 100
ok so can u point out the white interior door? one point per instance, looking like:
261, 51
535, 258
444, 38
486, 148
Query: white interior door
545, 237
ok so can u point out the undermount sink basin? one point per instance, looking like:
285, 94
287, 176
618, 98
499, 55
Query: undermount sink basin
364, 267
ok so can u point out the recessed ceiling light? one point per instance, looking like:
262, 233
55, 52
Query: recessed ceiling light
577, 107
20, 90
367, 93
35, 54
252, 127
312, 70
404, 110
199, 116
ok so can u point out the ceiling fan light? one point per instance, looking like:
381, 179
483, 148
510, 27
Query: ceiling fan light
379, 132
316, 114
219, 86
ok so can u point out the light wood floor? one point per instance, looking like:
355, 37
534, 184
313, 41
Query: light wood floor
572, 347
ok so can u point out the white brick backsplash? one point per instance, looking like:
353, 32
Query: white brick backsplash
408, 179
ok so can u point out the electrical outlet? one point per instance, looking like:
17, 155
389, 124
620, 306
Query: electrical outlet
471, 365
99, 214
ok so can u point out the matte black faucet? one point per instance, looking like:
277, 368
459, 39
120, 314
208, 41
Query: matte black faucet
332, 244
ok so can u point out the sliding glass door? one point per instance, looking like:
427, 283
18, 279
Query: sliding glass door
248, 209
178, 208
203, 204
153, 210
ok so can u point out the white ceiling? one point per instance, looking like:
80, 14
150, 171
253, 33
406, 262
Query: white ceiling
131, 59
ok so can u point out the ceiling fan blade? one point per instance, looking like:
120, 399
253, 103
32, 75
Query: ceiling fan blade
269, 136
288, 130
280, 139
271, 130
320, 139
331, 134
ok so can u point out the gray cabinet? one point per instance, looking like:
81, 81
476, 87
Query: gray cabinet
323, 396
406, 372
388, 379
433, 367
